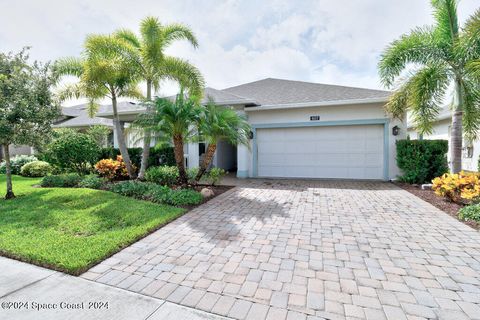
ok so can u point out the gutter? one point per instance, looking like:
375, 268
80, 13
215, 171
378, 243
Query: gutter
317, 104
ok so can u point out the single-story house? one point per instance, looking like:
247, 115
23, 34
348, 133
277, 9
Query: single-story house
302, 130
441, 130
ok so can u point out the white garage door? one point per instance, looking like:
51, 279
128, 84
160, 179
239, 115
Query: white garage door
339, 152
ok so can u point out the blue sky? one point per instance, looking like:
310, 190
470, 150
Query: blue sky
329, 41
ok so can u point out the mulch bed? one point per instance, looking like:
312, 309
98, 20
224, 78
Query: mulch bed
429, 196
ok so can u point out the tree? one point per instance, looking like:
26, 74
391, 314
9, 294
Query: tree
220, 123
175, 120
439, 56
106, 69
154, 65
27, 105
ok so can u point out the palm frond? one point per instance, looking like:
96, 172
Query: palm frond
128, 36
132, 91
426, 88
176, 31
446, 18
471, 109
187, 75
70, 66
92, 107
71, 91
470, 38
418, 47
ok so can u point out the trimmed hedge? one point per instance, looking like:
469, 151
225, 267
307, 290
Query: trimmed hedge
36, 169
422, 160
16, 163
163, 156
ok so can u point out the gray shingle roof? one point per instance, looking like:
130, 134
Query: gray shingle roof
122, 107
222, 97
278, 92
77, 116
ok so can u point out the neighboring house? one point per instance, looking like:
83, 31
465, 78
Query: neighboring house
441, 130
302, 130
76, 117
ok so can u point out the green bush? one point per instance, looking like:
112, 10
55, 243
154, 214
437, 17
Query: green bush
36, 169
70, 180
92, 182
164, 175
422, 160
184, 197
158, 156
156, 193
16, 163
72, 151
215, 175
470, 213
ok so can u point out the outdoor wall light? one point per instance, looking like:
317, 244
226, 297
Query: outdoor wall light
395, 130
250, 135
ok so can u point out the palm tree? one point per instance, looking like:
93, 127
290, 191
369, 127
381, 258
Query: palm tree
154, 66
103, 71
176, 120
439, 57
220, 123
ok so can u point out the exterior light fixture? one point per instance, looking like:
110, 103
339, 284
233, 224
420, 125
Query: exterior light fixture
395, 130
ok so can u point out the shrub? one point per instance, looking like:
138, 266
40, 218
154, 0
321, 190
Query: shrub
70, 180
156, 193
422, 160
470, 213
92, 182
112, 169
461, 187
72, 151
164, 175
184, 197
36, 169
16, 163
215, 175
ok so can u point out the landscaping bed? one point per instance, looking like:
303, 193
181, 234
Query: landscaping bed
446, 206
72, 229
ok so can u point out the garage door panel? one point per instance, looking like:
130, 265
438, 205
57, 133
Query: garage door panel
343, 152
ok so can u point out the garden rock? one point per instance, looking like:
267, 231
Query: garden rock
207, 193
427, 186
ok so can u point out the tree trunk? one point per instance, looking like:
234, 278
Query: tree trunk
147, 138
9, 194
179, 158
456, 135
121, 139
207, 159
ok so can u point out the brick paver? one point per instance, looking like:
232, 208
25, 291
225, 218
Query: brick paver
309, 249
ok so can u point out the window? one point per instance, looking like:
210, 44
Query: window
201, 148
468, 151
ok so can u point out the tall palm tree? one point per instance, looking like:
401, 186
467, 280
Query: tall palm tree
154, 65
220, 123
103, 71
434, 58
176, 120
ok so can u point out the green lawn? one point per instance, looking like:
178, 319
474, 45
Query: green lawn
72, 229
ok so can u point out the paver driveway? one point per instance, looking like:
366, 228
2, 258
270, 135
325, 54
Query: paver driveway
298, 249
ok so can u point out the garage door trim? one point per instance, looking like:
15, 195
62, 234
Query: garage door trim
383, 121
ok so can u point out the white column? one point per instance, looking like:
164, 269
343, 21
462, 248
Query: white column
192, 154
243, 165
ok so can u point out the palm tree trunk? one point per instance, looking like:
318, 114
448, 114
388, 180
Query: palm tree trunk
207, 159
147, 138
179, 158
121, 139
456, 135
9, 194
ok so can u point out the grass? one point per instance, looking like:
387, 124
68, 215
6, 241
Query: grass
71, 230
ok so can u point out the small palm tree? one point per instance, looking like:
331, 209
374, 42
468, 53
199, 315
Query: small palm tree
175, 120
154, 66
220, 123
103, 71
440, 55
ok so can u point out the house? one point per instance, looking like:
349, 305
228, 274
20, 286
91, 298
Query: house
441, 130
302, 130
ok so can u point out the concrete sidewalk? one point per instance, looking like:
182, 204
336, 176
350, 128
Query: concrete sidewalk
31, 292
